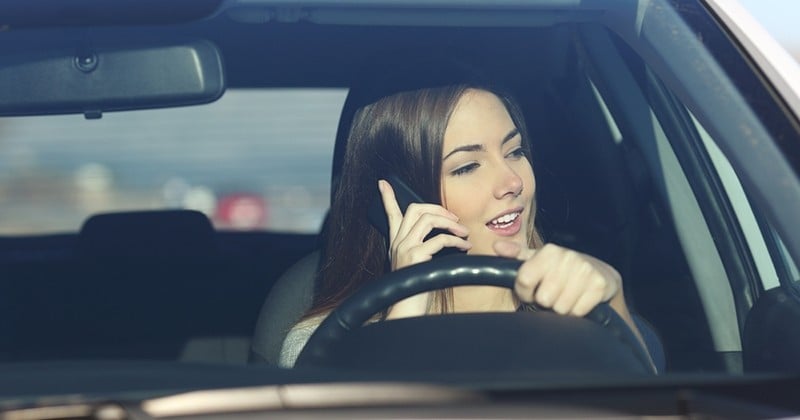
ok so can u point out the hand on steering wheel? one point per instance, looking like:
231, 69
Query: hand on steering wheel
566, 281
437, 274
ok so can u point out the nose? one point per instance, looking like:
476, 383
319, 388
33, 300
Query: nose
508, 183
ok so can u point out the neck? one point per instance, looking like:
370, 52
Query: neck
483, 299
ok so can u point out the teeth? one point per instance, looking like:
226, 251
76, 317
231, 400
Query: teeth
505, 219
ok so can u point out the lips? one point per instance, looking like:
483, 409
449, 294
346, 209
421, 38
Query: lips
507, 224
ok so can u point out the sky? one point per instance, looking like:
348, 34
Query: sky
780, 17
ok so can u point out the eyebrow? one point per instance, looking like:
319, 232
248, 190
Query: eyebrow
479, 147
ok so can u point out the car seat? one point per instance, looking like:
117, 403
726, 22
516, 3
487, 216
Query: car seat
155, 288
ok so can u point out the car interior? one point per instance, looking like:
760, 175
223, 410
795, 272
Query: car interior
167, 285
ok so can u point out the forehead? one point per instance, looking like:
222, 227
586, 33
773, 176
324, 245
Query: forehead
478, 117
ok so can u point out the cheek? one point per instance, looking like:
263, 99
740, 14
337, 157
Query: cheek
525, 172
461, 198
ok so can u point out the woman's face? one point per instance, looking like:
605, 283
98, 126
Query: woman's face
487, 180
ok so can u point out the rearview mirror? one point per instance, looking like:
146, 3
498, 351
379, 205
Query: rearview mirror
109, 78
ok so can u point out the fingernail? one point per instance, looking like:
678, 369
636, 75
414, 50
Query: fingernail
381, 187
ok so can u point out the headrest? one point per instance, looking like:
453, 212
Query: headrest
158, 233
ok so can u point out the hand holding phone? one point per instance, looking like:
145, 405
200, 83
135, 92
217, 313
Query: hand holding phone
404, 195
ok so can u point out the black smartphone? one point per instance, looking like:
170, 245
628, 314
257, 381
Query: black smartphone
405, 196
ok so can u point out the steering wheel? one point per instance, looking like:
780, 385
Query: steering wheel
439, 273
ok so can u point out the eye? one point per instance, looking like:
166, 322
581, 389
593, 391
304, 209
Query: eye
517, 153
463, 170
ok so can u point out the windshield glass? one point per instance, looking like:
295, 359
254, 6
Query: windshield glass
259, 159
558, 191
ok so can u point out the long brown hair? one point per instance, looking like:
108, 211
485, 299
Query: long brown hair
403, 134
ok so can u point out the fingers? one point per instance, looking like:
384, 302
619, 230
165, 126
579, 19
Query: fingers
391, 207
421, 219
401, 224
421, 252
591, 297
564, 280
408, 232
530, 274
567, 281
411, 246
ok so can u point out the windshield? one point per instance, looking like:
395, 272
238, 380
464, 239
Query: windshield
260, 159
502, 195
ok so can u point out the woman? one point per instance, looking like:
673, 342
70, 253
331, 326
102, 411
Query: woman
464, 148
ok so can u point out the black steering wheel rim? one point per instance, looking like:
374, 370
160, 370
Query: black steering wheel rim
439, 273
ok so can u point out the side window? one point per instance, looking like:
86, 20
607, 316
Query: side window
681, 233
791, 268
745, 215
254, 159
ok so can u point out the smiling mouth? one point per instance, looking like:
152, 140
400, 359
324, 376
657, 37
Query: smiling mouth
508, 224
505, 221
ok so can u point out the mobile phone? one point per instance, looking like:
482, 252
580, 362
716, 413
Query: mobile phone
404, 196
